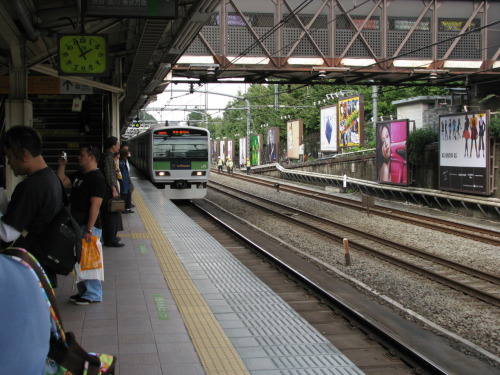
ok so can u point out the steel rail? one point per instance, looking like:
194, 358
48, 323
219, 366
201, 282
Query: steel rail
468, 289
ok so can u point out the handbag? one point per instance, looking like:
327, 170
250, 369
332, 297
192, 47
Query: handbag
65, 356
60, 247
116, 205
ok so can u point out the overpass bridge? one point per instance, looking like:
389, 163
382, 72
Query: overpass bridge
384, 42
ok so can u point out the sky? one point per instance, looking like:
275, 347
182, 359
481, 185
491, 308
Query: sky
171, 104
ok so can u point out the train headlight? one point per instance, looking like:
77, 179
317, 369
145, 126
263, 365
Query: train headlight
198, 173
162, 173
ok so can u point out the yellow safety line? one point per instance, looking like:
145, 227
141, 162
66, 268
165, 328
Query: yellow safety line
217, 354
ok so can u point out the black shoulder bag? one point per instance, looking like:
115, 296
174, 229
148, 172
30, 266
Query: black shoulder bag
60, 248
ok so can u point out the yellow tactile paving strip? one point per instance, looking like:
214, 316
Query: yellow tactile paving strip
216, 352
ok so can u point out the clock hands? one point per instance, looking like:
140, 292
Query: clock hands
82, 54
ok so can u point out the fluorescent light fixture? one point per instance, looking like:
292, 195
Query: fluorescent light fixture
186, 59
464, 64
248, 60
430, 71
412, 63
206, 66
358, 62
231, 79
177, 78
305, 61
331, 68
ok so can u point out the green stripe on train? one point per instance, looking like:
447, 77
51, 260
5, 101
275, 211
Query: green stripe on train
165, 165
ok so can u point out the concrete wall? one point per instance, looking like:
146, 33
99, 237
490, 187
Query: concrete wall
425, 175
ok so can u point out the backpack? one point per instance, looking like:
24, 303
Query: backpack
65, 356
61, 247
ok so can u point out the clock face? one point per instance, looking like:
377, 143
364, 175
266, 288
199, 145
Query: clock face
83, 54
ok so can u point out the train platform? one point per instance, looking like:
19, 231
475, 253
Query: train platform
176, 302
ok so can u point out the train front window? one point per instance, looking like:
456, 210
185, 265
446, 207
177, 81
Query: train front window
166, 148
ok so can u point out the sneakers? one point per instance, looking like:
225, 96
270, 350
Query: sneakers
80, 301
74, 297
114, 244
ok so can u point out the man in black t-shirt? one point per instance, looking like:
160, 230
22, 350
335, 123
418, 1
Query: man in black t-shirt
87, 192
37, 199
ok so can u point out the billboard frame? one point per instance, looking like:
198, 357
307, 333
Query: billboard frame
324, 111
398, 160
465, 178
360, 117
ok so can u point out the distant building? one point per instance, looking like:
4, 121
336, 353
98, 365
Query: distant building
422, 111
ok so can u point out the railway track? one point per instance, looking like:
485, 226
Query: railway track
476, 283
483, 235
373, 336
373, 348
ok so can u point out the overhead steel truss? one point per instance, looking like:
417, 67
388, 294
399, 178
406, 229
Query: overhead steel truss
350, 42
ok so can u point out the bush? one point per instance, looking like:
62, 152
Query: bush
416, 143
495, 127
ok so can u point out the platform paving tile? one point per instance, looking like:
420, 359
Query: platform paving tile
252, 310
127, 323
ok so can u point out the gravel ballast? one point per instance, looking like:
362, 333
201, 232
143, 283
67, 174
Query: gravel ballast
460, 314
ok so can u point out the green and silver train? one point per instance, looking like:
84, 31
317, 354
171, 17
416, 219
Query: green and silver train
175, 158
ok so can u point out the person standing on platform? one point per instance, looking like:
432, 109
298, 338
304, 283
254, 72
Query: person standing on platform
36, 200
110, 220
87, 192
124, 146
125, 183
249, 165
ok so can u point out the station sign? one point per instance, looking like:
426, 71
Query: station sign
166, 9
48, 85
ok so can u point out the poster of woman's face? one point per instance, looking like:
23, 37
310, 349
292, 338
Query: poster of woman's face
391, 160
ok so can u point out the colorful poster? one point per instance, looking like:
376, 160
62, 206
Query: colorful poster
391, 159
464, 152
328, 129
272, 145
255, 149
350, 119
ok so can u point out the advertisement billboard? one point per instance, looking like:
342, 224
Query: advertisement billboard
272, 145
222, 149
243, 150
230, 149
294, 138
391, 156
213, 146
350, 120
255, 149
328, 129
464, 152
